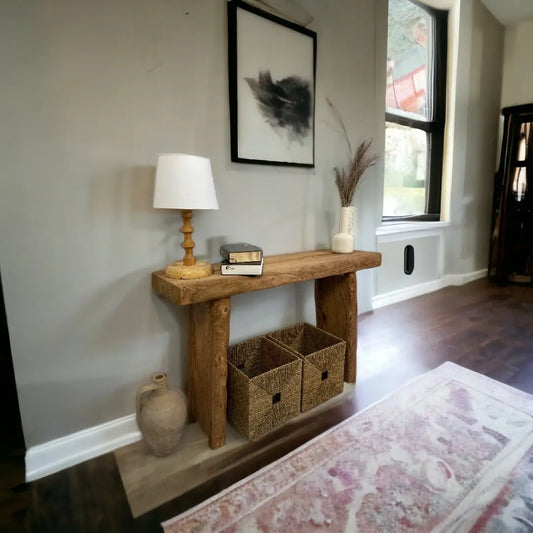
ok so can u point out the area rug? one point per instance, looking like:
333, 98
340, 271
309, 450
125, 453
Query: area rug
450, 451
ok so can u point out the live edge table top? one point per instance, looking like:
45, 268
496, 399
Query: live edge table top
277, 270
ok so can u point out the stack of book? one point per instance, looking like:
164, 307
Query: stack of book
241, 259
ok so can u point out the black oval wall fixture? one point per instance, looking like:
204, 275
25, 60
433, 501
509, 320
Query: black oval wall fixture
408, 259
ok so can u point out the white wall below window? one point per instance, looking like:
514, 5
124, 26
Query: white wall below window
428, 241
427, 247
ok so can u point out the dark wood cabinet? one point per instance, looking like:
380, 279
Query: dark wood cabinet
511, 250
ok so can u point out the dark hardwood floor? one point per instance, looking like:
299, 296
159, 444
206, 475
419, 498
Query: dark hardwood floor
481, 326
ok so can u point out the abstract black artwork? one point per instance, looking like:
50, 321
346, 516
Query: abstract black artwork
272, 88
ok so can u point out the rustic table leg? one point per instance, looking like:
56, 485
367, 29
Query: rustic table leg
336, 312
208, 338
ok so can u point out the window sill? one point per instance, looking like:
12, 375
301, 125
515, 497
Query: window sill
389, 228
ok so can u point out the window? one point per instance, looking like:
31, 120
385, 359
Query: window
415, 111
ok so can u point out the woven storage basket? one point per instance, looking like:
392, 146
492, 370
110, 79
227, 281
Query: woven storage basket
264, 386
323, 361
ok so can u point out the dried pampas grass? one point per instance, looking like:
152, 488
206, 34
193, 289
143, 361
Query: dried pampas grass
348, 177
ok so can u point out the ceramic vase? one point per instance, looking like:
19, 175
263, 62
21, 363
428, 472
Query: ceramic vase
343, 241
161, 415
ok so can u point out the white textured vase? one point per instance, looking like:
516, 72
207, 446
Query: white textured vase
343, 241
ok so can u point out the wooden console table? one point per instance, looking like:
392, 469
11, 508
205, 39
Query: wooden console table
209, 319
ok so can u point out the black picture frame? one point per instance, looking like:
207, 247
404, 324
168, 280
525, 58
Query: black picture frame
272, 77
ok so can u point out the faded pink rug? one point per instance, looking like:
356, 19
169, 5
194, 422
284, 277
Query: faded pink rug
451, 451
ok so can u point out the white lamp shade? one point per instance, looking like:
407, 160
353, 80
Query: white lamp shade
184, 182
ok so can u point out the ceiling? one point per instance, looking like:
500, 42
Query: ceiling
506, 11
510, 11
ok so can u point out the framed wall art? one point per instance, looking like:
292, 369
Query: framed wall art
272, 64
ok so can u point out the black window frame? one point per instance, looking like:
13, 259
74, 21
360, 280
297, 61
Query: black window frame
434, 128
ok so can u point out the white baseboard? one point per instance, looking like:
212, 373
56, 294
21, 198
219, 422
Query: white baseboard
461, 279
70, 450
381, 300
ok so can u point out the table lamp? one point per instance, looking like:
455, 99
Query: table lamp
185, 182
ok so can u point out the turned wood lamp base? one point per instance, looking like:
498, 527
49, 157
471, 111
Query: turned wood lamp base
189, 268
178, 270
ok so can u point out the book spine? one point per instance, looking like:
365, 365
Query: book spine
241, 270
244, 257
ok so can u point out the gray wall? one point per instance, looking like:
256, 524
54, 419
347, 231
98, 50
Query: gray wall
92, 92
517, 71
479, 79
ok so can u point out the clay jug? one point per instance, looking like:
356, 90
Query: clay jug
161, 415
